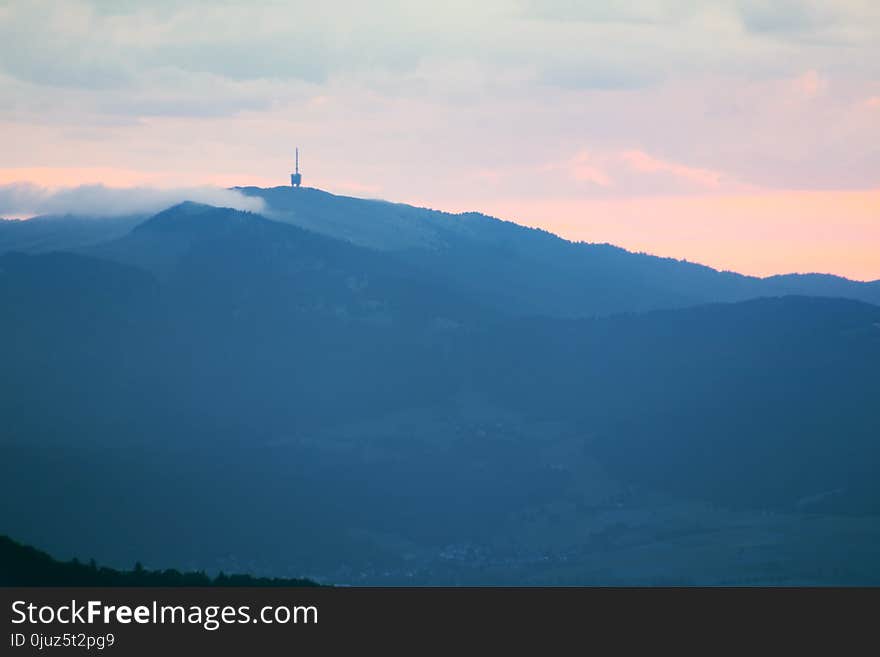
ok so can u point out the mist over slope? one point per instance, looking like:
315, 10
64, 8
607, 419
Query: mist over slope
243, 393
24, 199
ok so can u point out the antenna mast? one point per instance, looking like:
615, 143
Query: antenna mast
296, 178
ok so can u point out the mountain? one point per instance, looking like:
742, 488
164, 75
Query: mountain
249, 256
62, 232
526, 271
497, 264
219, 390
214, 298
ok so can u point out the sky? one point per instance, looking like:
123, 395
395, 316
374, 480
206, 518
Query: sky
738, 133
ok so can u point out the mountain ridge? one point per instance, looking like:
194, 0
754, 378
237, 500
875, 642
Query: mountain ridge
513, 268
530, 270
270, 194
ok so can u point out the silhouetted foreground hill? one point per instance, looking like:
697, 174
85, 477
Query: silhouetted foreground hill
22, 565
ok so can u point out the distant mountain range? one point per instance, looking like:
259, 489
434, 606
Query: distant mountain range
61, 232
517, 270
350, 384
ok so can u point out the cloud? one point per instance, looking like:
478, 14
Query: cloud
28, 199
810, 84
115, 47
583, 168
590, 75
643, 162
634, 172
642, 12
786, 16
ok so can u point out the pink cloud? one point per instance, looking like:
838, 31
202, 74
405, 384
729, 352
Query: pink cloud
57, 177
584, 166
583, 169
642, 162
52, 177
810, 84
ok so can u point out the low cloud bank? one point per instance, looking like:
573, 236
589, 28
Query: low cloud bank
28, 199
